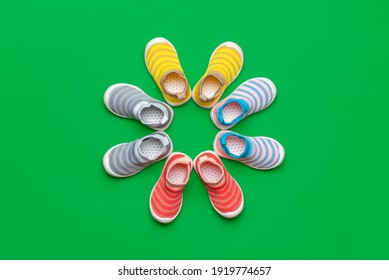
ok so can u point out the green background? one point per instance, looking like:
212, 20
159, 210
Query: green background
328, 200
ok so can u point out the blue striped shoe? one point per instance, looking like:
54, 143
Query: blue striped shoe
127, 159
250, 97
128, 101
257, 152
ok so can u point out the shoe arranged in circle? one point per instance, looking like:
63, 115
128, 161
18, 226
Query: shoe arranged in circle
164, 66
224, 192
127, 159
250, 97
128, 101
257, 152
224, 66
167, 195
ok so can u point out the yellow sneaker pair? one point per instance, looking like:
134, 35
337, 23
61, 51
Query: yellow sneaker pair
164, 66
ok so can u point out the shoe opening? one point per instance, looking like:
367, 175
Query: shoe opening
151, 148
175, 84
231, 112
151, 115
210, 87
236, 146
212, 173
178, 174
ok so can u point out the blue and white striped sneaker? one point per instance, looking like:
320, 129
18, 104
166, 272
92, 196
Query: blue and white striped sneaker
257, 152
250, 97
128, 101
127, 159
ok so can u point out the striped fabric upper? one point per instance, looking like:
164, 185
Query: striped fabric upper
167, 195
250, 97
256, 152
164, 66
127, 159
224, 192
129, 101
225, 65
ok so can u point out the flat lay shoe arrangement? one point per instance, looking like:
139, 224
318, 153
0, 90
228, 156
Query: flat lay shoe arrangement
252, 96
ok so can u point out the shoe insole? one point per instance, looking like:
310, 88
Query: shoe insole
211, 172
151, 115
178, 174
174, 83
210, 86
151, 148
231, 111
235, 145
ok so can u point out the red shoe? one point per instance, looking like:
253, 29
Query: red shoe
224, 192
167, 195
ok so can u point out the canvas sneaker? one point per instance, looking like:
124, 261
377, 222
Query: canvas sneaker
257, 152
164, 66
224, 192
128, 101
167, 195
127, 159
224, 66
250, 97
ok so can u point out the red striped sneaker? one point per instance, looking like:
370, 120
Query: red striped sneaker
167, 195
224, 192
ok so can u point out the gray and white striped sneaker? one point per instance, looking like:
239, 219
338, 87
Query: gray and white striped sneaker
131, 102
127, 159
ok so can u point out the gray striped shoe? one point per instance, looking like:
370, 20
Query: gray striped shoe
131, 102
127, 159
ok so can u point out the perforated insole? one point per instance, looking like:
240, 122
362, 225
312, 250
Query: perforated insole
151, 148
151, 115
211, 172
231, 111
235, 145
174, 83
177, 174
210, 86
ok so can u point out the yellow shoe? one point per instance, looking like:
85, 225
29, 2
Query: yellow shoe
162, 62
224, 66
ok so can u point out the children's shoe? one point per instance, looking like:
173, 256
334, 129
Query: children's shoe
224, 66
167, 195
224, 192
162, 62
128, 101
257, 152
250, 97
127, 159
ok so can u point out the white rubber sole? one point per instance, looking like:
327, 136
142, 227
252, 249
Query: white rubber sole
280, 148
148, 46
153, 214
112, 173
216, 122
107, 96
228, 215
231, 45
